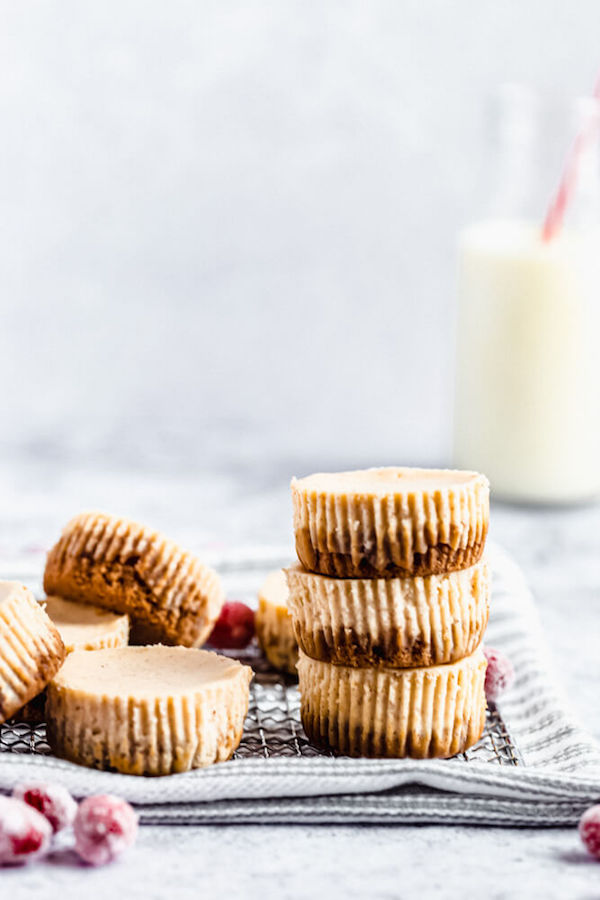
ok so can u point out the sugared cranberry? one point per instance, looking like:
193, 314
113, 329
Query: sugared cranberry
499, 675
589, 830
234, 628
52, 800
24, 833
104, 827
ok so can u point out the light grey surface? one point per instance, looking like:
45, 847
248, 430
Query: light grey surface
289, 863
560, 552
248, 211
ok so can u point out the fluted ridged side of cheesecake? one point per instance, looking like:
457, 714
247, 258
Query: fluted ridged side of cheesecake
128, 568
31, 649
147, 710
422, 621
390, 521
437, 711
273, 624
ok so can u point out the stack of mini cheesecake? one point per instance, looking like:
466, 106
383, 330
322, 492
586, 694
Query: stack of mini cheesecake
389, 605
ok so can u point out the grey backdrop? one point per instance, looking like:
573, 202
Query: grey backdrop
229, 227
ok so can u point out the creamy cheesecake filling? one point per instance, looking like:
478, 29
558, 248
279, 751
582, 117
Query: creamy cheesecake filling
85, 627
387, 480
156, 671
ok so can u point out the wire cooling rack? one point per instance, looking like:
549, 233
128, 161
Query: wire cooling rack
273, 726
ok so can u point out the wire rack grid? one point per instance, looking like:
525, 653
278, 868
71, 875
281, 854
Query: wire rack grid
273, 727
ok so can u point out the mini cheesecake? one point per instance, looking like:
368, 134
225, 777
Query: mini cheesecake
390, 622
170, 596
81, 627
381, 523
85, 627
31, 649
147, 710
273, 624
435, 711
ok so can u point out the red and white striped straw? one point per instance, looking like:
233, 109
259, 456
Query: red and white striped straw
568, 182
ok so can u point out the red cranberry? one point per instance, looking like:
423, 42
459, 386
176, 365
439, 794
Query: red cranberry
24, 833
52, 800
499, 675
589, 830
104, 827
234, 628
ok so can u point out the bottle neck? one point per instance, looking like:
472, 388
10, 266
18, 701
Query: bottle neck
512, 191
532, 149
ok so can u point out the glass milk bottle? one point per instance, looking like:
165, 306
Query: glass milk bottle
527, 405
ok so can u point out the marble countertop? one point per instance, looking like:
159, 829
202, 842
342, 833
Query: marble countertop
559, 550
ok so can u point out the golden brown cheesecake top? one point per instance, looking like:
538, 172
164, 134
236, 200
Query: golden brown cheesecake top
79, 624
156, 671
387, 480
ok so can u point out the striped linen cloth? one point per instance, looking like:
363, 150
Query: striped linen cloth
558, 775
